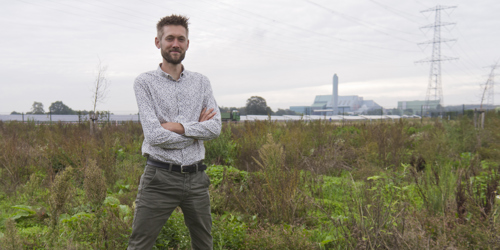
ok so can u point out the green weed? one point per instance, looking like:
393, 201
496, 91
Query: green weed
285, 185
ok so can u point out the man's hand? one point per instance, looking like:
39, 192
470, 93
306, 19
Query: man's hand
205, 116
174, 127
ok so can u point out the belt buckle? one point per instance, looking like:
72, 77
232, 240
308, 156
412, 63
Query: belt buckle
182, 169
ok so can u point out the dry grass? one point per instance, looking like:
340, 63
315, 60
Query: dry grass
94, 184
11, 240
62, 191
405, 185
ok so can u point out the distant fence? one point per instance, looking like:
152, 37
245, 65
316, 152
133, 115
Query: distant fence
47, 118
325, 117
41, 119
453, 115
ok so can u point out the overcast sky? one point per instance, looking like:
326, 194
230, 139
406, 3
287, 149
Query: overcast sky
283, 50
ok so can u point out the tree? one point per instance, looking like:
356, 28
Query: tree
37, 108
269, 111
394, 112
223, 109
243, 111
228, 109
99, 92
285, 112
15, 113
60, 108
375, 112
257, 105
408, 112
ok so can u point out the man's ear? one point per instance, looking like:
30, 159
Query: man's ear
157, 42
187, 47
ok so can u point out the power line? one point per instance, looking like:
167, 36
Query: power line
121, 25
295, 28
416, 1
115, 10
394, 11
239, 41
361, 22
360, 54
463, 38
271, 22
100, 17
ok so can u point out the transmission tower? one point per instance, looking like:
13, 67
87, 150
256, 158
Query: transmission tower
489, 88
435, 89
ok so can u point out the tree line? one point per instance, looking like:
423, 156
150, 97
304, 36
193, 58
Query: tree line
56, 108
257, 105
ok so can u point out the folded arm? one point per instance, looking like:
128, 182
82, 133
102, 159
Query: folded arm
178, 128
209, 124
154, 133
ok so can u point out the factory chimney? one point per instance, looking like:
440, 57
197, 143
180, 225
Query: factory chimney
335, 95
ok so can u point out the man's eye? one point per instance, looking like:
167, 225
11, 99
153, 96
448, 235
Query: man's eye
181, 39
170, 39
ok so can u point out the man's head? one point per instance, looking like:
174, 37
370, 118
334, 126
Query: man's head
172, 38
172, 20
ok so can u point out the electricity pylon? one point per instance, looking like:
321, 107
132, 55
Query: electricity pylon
489, 88
435, 89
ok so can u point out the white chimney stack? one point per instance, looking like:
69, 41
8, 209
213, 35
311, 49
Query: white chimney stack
335, 95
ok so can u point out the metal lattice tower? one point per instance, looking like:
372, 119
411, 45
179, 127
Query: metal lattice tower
435, 89
489, 88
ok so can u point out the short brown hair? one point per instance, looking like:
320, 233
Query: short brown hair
171, 20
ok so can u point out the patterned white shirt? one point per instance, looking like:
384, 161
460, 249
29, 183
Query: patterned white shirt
162, 99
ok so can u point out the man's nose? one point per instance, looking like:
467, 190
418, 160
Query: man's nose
176, 43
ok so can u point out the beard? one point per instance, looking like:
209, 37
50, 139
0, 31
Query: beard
169, 59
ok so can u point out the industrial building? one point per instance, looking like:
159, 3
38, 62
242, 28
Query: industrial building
416, 107
334, 104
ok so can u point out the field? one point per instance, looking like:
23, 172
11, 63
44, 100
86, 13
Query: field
294, 185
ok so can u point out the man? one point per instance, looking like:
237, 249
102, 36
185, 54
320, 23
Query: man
177, 111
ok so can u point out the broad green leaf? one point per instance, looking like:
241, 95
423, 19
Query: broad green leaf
21, 214
124, 210
25, 208
64, 217
326, 242
81, 214
111, 201
375, 177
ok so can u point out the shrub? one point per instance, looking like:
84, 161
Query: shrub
62, 190
10, 240
94, 184
229, 231
291, 185
278, 237
273, 193
222, 150
174, 234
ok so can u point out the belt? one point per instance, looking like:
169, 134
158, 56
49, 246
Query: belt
184, 169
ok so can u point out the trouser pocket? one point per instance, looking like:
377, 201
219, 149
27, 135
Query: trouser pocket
149, 175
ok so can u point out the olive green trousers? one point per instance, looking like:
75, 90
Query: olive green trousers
160, 192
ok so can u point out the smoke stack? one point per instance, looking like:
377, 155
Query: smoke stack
335, 94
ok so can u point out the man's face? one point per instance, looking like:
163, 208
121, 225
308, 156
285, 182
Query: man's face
173, 43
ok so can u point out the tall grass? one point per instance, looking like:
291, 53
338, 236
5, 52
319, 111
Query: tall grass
273, 192
285, 185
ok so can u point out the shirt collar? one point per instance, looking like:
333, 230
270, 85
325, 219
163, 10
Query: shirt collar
167, 75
